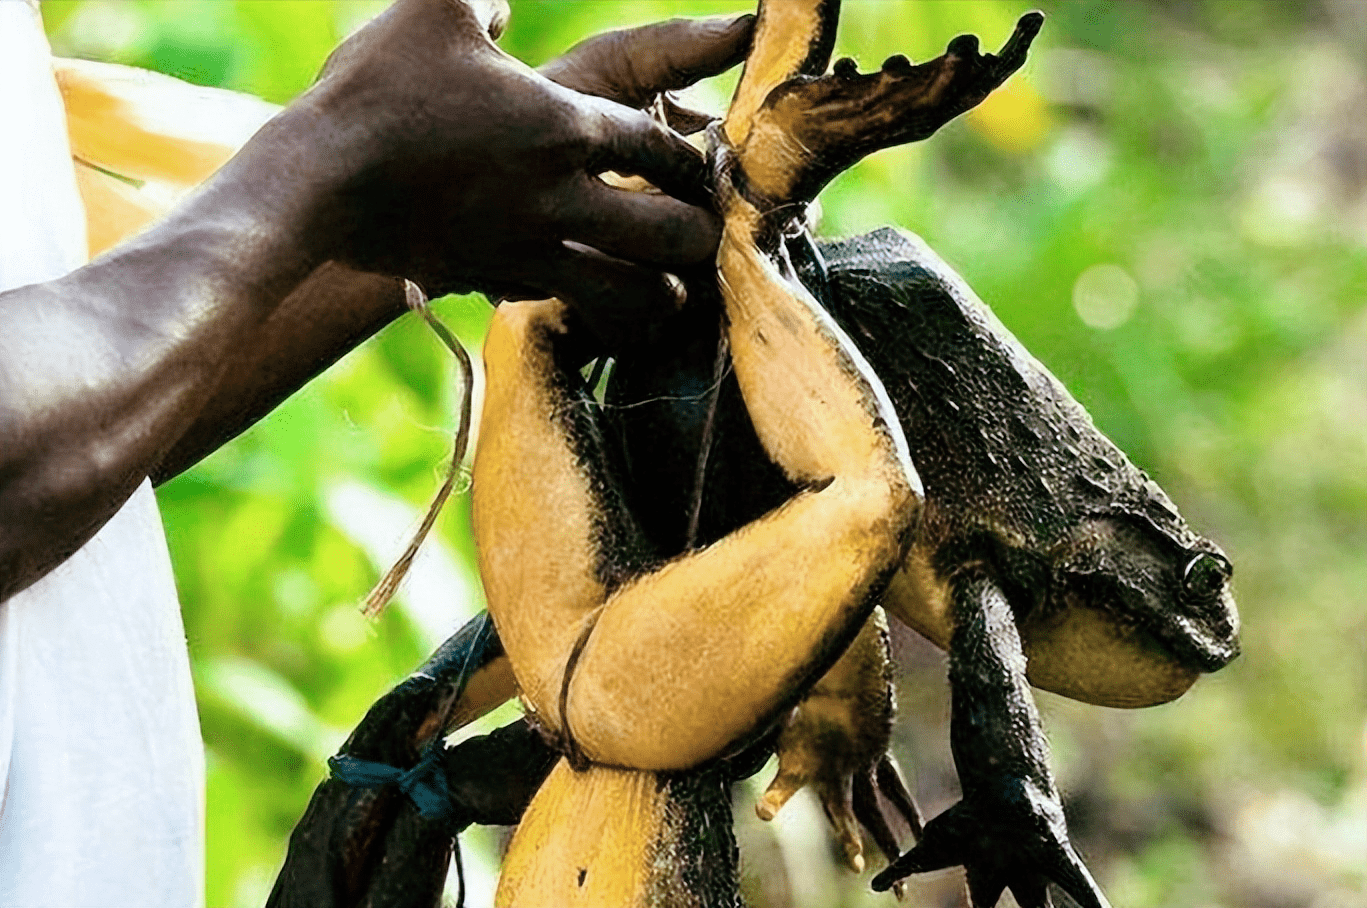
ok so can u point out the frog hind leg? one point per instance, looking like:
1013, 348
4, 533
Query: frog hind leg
677, 664
1009, 829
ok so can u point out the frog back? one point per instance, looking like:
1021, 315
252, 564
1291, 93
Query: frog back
1002, 447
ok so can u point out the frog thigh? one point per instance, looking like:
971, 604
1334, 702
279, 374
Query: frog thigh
686, 660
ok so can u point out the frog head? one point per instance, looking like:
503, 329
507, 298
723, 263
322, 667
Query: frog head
1138, 607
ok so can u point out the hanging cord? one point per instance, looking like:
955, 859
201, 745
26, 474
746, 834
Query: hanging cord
708, 433
460, 872
384, 590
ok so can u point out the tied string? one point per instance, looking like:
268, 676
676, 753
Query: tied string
565, 742
425, 784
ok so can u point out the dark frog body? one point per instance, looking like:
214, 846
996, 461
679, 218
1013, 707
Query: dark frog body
1119, 602
1017, 477
1042, 552
920, 457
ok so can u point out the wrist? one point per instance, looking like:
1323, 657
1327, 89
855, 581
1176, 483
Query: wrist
271, 215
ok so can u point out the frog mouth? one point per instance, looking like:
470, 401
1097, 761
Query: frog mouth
1206, 643
1083, 653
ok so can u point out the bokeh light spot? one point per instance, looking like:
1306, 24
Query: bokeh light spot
1105, 296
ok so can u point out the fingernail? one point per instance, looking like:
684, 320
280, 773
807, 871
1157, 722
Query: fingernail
676, 287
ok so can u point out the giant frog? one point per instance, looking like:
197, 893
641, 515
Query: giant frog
672, 573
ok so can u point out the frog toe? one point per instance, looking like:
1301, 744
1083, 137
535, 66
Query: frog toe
887, 777
786, 784
871, 817
847, 833
997, 855
943, 844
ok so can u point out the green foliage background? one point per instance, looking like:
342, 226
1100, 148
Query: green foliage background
1210, 156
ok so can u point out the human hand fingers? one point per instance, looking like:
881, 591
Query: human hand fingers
633, 65
613, 297
631, 142
422, 29
640, 226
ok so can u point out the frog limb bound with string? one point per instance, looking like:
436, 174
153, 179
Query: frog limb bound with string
1032, 537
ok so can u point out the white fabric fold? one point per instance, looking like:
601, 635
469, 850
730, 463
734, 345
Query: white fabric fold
101, 762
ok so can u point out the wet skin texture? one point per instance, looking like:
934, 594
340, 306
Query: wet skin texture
1032, 516
1038, 537
1016, 475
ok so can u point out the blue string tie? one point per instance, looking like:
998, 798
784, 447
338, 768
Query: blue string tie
425, 784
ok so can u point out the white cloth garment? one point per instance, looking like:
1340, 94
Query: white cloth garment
101, 762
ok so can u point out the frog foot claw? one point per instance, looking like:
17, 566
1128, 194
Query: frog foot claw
1001, 844
835, 794
850, 801
885, 778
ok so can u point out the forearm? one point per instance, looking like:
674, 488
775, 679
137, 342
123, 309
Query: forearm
995, 729
103, 371
330, 313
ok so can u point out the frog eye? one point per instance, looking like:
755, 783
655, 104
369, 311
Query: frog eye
1205, 576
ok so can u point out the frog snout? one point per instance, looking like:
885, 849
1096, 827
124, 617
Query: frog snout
1208, 639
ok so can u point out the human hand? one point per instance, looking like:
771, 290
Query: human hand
463, 169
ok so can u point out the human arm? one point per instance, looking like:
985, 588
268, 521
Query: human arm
337, 307
473, 186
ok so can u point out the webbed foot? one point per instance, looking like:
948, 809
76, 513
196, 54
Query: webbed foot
809, 129
1013, 838
836, 742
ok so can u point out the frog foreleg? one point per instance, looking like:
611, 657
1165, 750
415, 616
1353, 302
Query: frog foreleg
1009, 829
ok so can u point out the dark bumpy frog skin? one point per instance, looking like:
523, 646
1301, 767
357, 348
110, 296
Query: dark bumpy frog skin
1016, 475
1038, 537
1036, 554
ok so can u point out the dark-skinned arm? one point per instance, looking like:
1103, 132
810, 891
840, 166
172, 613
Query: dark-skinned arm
338, 307
330, 313
423, 151
1009, 829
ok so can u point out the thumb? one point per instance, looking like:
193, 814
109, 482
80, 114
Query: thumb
633, 65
